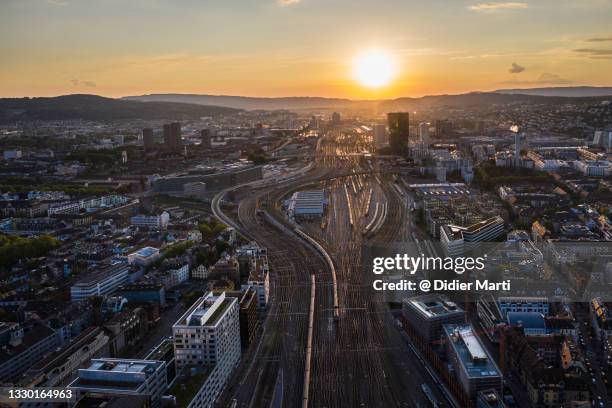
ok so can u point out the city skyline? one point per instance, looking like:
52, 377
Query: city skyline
300, 48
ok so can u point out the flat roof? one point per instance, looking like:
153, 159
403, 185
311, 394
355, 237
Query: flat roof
470, 351
529, 320
95, 275
432, 306
119, 374
206, 311
147, 251
188, 386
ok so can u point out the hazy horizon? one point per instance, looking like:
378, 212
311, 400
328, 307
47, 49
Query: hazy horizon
303, 96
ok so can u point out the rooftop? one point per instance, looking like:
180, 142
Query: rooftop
206, 311
95, 275
470, 352
188, 385
116, 374
147, 251
432, 306
528, 320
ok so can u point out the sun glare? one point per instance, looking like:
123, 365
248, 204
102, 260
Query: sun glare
374, 69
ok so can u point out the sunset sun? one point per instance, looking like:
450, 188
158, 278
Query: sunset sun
374, 69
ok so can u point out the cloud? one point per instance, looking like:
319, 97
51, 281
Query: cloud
506, 5
516, 68
599, 39
78, 82
287, 2
594, 53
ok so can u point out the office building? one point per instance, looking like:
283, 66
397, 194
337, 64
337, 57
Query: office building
399, 131
518, 304
22, 347
474, 367
99, 282
380, 135
207, 341
143, 292
214, 181
156, 222
60, 367
517, 149
117, 377
532, 323
172, 137
335, 118
457, 240
489, 316
259, 279
205, 138
147, 139
428, 313
315, 122
144, 256
249, 321
424, 133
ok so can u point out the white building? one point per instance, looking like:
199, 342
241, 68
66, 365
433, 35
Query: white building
159, 222
99, 283
593, 168
88, 204
207, 337
175, 277
144, 256
456, 240
201, 272
112, 377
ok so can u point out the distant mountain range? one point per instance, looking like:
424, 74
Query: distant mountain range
93, 107
313, 103
245, 102
181, 107
569, 91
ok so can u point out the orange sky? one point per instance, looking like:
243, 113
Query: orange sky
267, 48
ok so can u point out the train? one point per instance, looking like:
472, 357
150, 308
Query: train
433, 402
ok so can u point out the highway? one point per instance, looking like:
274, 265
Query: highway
361, 358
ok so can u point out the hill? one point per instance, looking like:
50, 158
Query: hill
567, 91
92, 107
245, 102
472, 99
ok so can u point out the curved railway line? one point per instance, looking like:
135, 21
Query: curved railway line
346, 351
